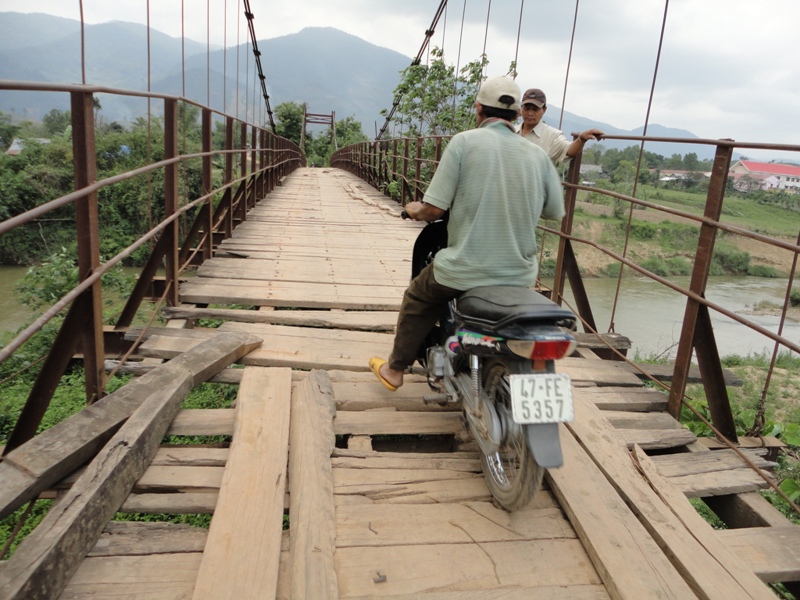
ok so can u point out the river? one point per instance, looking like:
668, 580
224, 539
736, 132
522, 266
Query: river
647, 312
651, 315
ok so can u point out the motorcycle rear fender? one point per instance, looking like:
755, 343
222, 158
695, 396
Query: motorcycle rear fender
544, 444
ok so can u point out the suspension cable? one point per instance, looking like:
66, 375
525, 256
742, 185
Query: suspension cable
569, 63
83, 48
428, 34
238, 29
225, 57
519, 32
458, 61
639, 163
250, 17
486, 37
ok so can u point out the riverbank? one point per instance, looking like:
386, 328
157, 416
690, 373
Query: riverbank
596, 229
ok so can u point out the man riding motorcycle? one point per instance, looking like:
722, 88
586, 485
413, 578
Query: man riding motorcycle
496, 186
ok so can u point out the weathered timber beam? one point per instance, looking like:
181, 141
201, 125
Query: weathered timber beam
50, 555
53, 454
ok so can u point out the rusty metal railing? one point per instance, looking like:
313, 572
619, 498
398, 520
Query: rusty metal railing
402, 168
263, 161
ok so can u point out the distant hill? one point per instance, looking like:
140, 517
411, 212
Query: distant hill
328, 69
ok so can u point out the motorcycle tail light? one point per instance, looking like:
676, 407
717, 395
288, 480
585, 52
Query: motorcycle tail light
543, 349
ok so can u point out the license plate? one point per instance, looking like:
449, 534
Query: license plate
541, 398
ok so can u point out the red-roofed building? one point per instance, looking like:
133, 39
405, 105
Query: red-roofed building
767, 176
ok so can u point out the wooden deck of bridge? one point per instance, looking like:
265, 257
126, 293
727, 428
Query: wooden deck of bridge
384, 494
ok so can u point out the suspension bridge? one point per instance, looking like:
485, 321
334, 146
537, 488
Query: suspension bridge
282, 280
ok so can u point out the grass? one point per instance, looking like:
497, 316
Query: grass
70, 399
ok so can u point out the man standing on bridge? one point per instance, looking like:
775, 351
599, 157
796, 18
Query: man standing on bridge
496, 186
550, 139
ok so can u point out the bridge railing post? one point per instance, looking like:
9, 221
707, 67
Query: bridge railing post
253, 165
208, 243
171, 234
83, 325
696, 332
243, 172
566, 263
227, 198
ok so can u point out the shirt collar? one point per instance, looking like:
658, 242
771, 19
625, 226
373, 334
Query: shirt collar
492, 120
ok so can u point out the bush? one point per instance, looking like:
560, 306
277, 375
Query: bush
643, 231
657, 266
794, 298
732, 261
762, 271
678, 265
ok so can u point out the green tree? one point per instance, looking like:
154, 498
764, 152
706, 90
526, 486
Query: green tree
56, 122
435, 100
8, 130
290, 120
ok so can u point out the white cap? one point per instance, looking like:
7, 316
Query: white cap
494, 90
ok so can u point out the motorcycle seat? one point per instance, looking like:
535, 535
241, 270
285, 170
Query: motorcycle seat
505, 304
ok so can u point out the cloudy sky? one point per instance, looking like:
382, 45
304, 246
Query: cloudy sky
728, 68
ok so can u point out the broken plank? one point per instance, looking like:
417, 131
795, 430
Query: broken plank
58, 451
686, 539
50, 555
772, 552
627, 558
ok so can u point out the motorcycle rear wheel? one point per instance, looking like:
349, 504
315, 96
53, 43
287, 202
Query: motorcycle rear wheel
512, 474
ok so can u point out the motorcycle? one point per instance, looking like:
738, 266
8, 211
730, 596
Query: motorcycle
493, 351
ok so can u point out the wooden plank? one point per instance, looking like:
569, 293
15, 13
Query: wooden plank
772, 552
598, 372
477, 522
296, 347
50, 555
193, 503
397, 423
698, 463
663, 372
415, 569
657, 439
624, 399
56, 452
674, 524
744, 442
353, 319
203, 421
172, 479
243, 549
190, 456
719, 483
629, 561
290, 294
126, 538
559, 592
312, 524
444, 487
641, 420
150, 577
457, 461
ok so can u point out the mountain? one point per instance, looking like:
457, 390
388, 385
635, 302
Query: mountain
329, 70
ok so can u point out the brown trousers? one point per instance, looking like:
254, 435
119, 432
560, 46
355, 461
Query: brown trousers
423, 304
